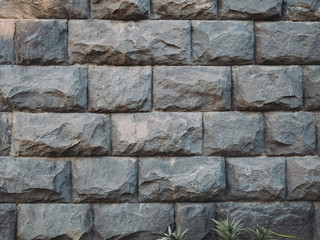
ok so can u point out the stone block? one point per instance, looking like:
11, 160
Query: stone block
222, 42
5, 133
196, 88
233, 134
311, 87
181, 179
8, 220
7, 30
157, 133
317, 220
56, 134
120, 89
301, 10
267, 87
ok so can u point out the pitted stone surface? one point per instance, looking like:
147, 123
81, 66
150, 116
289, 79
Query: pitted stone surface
120, 89
290, 133
222, 42
132, 220
181, 179
7, 30
260, 178
317, 220
301, 10
233, 134
8, 219
120, 9
148, 134
267, 87
5, 133
191, 88
55, 134
34, 180
311, 87
41, 42
184, 9
303, 178
291, 43
53, 88
151, 42
55, 221
104, 179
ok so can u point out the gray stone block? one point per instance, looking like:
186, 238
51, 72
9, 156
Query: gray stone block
55, 134
8, 220
41, 42
181, 179
120, 89
104, 179
5, 133
191, 88
301, 10
290, 133
311, 87
291, 43
317, 220
54, 221
132, 221
149, 134
262, 179
222, 42
53, 88
129, 43
7, 30
233, 134
267, 87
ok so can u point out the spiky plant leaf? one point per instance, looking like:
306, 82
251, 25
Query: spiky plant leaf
228, 229
173, 235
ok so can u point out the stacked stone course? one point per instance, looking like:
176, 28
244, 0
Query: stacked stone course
120, 118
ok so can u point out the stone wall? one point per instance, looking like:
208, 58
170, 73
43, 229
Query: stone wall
115, 129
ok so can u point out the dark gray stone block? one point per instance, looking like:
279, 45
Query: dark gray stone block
7, 30
311, 87
8, 220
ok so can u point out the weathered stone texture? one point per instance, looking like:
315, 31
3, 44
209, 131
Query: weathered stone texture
7, 30
5, 133
148, 134
181, 179
261, 179
53, 88
132, 221
120, 89
120, 9
317, 220
44, 9
195, 217
290, 133
191, 88
267, 87
34, 180
250, 9
54, 221
8, 219
41, 42
129, 43
288, 42
54, 134
233, 134
302, 10
311, 87
104, 179
184, 9
222, 42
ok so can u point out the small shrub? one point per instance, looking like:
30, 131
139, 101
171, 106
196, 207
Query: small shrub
176, 235
229, 229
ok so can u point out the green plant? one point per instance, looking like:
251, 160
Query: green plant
261, 233
176, 235
229, 229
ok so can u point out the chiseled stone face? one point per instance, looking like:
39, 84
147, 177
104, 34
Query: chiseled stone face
129, 43
5, 133
66, 134
317, 219
311, 87
8, 219
267, 87
7, 30
303, 10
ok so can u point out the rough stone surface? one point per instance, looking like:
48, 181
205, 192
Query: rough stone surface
290, 133
181, 179
184, 9
5, 133
148, 134
222, 42
41, 42
8, 219
120, 9
7, 29
267, 87
104, 179
317, 220
261, 179
120, 89
191, 88
53, 88
54, 134
291, 42
250, 9
34, 180
132, 221
233, 134
301, 10
303, 178
54, 221
44, 9
311, 87
195, 217
129, 43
